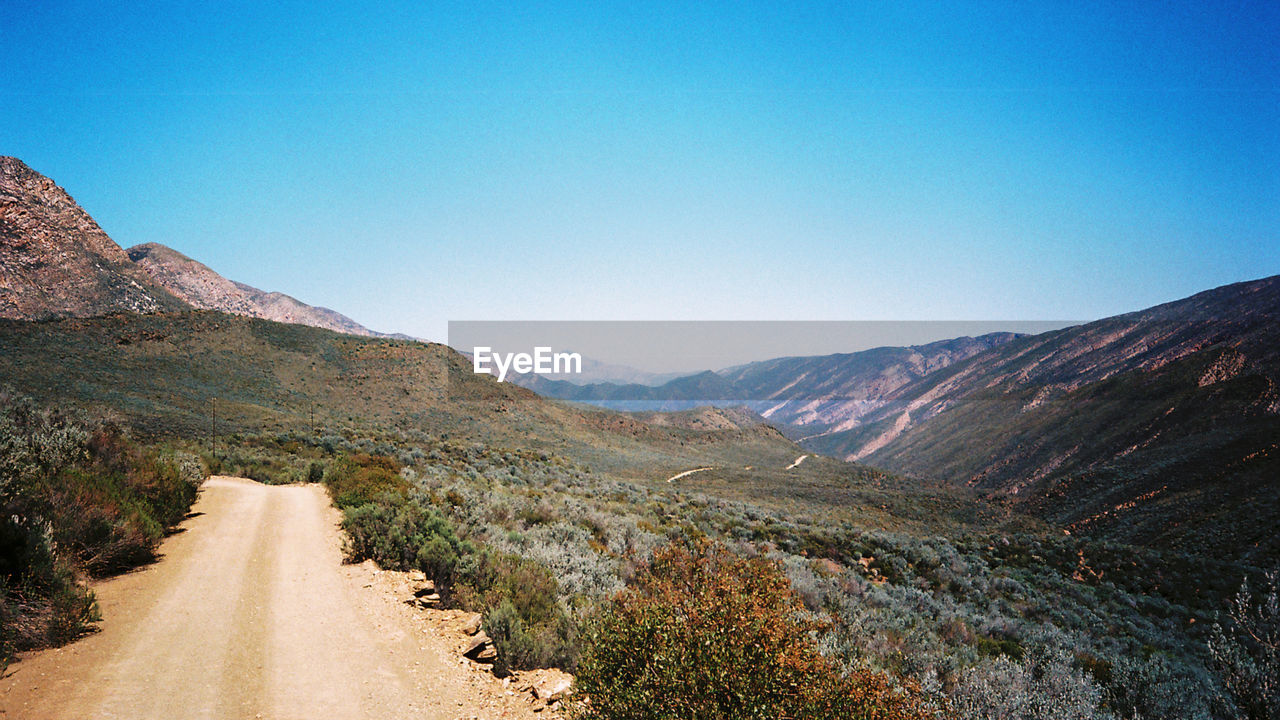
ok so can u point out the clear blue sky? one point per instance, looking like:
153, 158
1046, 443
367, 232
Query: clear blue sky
878, 160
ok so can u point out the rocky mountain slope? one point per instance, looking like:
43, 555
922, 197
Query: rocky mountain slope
202, 288
836, 391
1160, 426
807, 395
56, 262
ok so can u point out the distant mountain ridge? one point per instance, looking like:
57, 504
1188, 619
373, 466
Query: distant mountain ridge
55, 261
204, 289
813, 393
699, 388
838, 390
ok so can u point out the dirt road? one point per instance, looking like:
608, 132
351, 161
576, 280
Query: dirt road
687, 473
249, 614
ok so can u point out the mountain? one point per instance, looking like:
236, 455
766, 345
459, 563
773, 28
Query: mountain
806, 395
1160, 426
682, 393
202, 288
838, 390
180, 375
55, 261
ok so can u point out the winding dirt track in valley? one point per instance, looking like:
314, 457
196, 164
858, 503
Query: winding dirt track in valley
249, 614
687, 473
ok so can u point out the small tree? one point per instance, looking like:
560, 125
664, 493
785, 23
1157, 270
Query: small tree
704, 634
1245, 653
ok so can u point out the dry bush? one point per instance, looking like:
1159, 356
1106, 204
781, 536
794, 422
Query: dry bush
702, 633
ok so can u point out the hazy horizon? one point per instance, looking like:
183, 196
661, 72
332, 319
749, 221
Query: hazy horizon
687, 347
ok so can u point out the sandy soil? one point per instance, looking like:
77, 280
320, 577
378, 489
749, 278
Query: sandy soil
250, 613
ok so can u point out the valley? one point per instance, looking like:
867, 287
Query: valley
1151, 427
1066, 513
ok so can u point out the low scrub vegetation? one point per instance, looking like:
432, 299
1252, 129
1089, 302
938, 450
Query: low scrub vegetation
704, 634
987, 622
269, 459
1245, 650
517, 597
78, 499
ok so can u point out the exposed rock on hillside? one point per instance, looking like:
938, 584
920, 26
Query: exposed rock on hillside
205, 289
55, 261
1159, 426
837, 390
816, 393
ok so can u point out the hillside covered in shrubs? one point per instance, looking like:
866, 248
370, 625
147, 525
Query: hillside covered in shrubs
78, 499
971, 623
542, 517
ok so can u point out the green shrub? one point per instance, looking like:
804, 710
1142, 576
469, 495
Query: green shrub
704, 634
401, 535
315, 473
361, 478
507, 588
258, 473
518, 646
438, 558
994, 647
212, 461
518, 597
537, 515
77, 497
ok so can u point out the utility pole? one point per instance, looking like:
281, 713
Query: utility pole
213, 437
